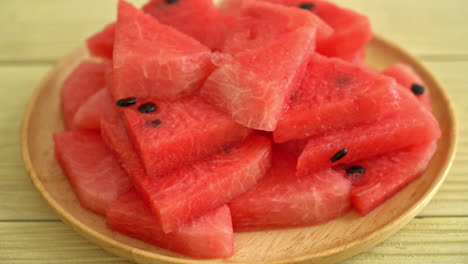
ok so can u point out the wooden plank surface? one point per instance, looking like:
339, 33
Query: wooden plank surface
36, 34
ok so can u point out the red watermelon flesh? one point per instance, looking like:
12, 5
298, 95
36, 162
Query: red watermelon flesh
101, 44
255, 85
209, 236
387, 174
92, 170
199, 19
411, 125
281, 199
98, 106
335, 94
85, 80
180, 132
260, 23
407, 77
152, 60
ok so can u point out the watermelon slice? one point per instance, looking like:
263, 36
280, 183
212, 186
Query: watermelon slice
82, 83
180, 132
101, 44
408, 78
335, 94
92, 170
385, 175
255, 85
98, 106
282, 200
260, 23
153, 60
209, 236
411, 125
199, 19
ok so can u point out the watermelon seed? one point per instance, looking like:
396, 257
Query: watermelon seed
306, 6
172, 1
147, 108
417, 89
126, 102
355, 169
154, 123
339, 155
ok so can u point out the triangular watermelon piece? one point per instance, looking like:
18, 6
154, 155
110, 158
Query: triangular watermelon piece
180, 132
385, 175
98, 106
209, 236
85, 80
101, 44
335, 94
92, 170
409, 79
281, 199
259, 23
411, 125
152, 60
254, 86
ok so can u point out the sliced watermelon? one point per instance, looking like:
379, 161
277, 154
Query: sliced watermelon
411, 125
209, 236
199, 19
408, 78
180, 132
98, 106
385, 175
92, 170
101, 44
255, 85
260, 23
153, 60
281, 199
335, 94
82, 83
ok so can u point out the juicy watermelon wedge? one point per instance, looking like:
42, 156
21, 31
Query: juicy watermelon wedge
82, 83
101, 44
260, 23
255, 85
283, 200
411, 125
335, 94
387, 174
152, 60
98, 106
180, 132
209, 236
92, 170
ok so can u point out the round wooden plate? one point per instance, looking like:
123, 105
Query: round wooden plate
328, 243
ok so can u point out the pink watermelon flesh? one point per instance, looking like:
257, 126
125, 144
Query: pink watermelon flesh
335, 94
92, 170
282, 200
85, 80
98, 106
260, 23
387, 174
152, 60
199, 19
101, 44
407, 77
209, 236
411, 125
180, 132
254, 86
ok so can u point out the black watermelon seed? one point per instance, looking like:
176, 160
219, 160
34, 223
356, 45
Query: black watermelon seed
417, 89
172, 1
339, 155
125, 102
306, 6
154, 123
147, 108
355, 169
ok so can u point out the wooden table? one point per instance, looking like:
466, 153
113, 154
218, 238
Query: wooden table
35, 34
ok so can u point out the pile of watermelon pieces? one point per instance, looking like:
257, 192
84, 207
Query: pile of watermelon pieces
194, 121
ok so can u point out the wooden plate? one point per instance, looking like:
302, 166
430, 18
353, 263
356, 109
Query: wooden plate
328, 243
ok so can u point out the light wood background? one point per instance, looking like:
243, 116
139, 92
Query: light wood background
35, 34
